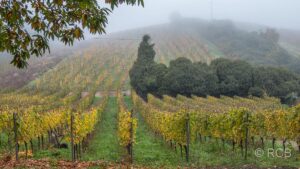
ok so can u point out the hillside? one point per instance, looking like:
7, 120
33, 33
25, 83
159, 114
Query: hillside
204, 41
77, 105
14, 78
195, 39
290, 40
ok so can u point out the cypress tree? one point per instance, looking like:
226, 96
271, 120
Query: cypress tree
140, 73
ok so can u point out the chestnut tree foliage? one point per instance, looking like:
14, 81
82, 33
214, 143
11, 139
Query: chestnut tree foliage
26, 26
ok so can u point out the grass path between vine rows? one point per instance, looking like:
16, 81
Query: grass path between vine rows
104, 145
150, 150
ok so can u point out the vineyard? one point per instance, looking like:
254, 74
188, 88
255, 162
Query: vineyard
83, 110
182, 121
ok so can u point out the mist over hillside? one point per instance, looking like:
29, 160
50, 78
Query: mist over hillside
196, 39
141, 84
13, 78
202, 40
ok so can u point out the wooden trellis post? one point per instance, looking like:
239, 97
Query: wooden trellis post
247, 135
72, 138
188, 137
16, 136
131, 137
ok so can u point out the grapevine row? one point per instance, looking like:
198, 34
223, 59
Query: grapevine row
238, 123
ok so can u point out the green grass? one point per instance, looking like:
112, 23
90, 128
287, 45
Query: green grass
212, 153
96, 100
150, 150
104, 145
48, 152
3, 143
53, 154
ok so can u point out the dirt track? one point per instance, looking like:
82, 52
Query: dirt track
7, 163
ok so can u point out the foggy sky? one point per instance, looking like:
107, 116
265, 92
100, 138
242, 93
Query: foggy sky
274, 13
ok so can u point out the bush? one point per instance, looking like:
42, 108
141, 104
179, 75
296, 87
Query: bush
256, 91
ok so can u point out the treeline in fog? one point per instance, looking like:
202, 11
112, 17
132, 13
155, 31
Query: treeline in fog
258, 46
221, 77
